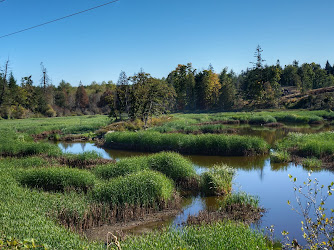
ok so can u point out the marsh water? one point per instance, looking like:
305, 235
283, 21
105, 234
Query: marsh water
255, 175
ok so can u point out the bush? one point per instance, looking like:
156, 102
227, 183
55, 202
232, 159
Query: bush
217, 181
141, 188
57, 179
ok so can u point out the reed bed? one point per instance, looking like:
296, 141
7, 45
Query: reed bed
309, 145
241, 199
121, 168
57, 179
217, 181
207, 144
141, 188
225, 235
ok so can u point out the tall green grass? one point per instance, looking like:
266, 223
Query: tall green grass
173, 165
241, 198
226, 235
228, 145
217, 181
25, 213
121, 168
57, 179
142, 188
309, 145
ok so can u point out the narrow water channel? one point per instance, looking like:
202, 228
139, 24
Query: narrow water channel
255, 175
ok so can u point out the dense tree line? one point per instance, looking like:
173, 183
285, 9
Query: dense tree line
142, 96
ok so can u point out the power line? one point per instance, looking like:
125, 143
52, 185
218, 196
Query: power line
58, 19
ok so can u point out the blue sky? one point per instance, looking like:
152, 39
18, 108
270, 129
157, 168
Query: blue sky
156, 35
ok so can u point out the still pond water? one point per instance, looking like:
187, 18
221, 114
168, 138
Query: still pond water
255, 175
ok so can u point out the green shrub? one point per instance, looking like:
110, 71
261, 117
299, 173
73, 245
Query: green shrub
57, 179
141, 188
217, 181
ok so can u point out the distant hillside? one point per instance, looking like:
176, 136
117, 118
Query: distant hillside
322, 98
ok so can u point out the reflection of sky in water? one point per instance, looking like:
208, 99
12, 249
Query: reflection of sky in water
255, 175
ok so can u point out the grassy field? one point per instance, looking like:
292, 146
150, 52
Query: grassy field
66, 125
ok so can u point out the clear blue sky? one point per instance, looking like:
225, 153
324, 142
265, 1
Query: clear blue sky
156, 35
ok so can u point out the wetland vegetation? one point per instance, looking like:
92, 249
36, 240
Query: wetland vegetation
58, 196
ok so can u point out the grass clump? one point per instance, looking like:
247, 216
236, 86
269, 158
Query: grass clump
57, 179
261, 119
217, 181
17, 148
121, 168
206, 144
311, 163
224, 235
309, 145
280, 156
142, 188
173, 165
242, 199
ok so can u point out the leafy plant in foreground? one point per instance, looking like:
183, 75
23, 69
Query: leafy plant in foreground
318, 225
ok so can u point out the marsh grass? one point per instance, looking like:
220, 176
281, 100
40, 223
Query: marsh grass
217, 181
311, 163
121, 168
83, 160
240, 198
25, 213
57, 179
280, 156
206, 144
309, 145
141, 188
224, 235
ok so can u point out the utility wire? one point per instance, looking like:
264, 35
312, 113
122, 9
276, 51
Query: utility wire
58, 19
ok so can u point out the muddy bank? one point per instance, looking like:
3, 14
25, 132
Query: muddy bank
136, 227
235, 212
